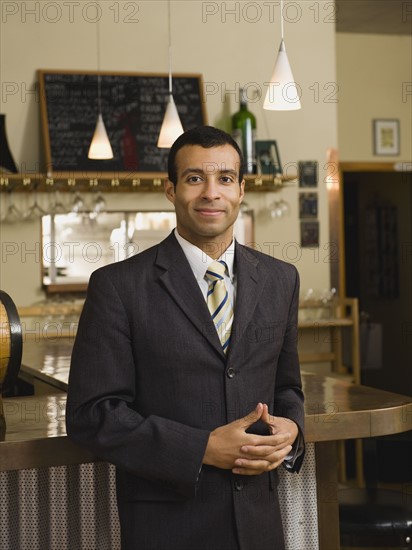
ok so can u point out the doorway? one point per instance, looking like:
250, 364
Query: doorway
377, 224
376, 263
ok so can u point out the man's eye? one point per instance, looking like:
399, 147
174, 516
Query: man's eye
194, 179
227, 179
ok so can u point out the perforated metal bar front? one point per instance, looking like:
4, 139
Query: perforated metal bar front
74, 508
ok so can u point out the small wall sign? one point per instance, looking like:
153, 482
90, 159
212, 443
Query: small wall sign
386, 137
308, 173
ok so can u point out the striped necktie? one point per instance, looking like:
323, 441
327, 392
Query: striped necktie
218, 302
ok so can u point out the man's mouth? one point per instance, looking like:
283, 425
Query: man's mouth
212, 212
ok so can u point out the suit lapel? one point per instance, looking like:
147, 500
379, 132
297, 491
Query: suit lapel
250, 284
178, 279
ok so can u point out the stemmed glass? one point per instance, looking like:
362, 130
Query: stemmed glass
13, 214
78, 203
98, 206
57, 206
327, 295
35, 211
279, 208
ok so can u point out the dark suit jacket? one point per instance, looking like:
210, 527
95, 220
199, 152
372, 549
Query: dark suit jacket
149, 381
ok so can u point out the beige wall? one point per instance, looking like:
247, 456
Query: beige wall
229, 49
375, 82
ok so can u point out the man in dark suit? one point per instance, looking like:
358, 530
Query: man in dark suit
196, 404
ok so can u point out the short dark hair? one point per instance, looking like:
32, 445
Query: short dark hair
207, 137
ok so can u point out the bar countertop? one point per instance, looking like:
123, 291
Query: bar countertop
35, 426
48, 360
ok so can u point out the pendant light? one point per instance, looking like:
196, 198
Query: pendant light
100, 148
172, 127
282, 93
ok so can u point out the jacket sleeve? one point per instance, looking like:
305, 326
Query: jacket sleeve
289, 399
100, 415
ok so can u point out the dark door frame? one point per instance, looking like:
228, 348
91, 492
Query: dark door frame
335, 183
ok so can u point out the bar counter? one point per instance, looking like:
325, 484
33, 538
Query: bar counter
35, 438
335, 409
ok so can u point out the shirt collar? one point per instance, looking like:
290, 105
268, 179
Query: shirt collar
199, 260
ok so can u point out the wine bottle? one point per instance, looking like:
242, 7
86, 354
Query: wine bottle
244, 132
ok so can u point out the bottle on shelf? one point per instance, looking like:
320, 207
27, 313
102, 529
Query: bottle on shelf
244, 133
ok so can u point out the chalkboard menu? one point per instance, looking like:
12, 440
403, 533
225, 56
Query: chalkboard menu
133, 107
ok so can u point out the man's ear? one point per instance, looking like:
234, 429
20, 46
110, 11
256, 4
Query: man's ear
169, 190
242, 190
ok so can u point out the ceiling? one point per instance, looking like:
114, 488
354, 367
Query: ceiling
374, 16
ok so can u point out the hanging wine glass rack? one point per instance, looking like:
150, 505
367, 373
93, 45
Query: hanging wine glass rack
123, 182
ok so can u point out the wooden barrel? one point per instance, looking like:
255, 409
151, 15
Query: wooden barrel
5, 342
11, 343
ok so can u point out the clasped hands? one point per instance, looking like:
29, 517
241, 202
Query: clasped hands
231, 447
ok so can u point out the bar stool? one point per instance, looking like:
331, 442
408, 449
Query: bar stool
375, 517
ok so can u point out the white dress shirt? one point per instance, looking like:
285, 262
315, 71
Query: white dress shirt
199, 262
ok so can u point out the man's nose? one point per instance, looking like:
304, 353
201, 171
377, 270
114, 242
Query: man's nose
211, 189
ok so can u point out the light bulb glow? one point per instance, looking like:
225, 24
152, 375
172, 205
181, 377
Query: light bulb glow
172, 127
283, 93
100, 148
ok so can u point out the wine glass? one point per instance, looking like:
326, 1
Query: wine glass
57, 206
13, 214
78, 203
98, 206
327, 295
279, 208
275, 210
35, 211
284, 207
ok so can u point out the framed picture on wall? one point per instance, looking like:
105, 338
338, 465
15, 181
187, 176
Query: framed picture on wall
308, 205
386, 137
267, 157
308, 173
309, 234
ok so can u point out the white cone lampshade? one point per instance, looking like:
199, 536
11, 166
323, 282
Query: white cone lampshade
172, 127
282, 93
100, 148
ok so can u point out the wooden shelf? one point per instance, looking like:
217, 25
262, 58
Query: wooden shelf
334, 316
122, 182
342, 313
326, 323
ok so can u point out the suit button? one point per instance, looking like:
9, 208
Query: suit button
238, 485
230, 373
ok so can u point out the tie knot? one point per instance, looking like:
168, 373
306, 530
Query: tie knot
216, 270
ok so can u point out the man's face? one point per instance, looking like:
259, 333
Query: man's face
207, 195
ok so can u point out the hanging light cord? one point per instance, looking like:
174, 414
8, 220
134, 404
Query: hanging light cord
281, 18
99, 84
170, 46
